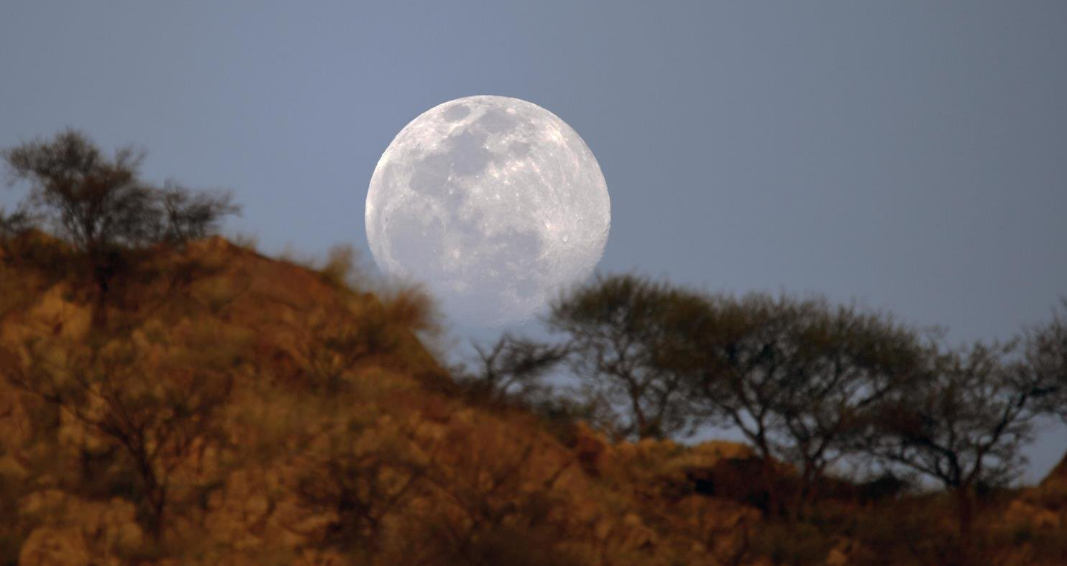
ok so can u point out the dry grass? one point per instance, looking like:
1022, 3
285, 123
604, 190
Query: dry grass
341, 440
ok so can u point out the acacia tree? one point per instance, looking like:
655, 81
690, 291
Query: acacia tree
102, 206
846, 362
14, 223
513, 368
963, 424
626, 334
359, 475
189, 215
743, 380
799, 378
494, 491
154, 407
1046, 358
91, 199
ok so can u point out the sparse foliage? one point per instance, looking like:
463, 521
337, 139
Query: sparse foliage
358, 480
963, 424
189, 215
800, 378
339, 268
93, 200
490, 494
99, 202
237, 410
102, 206
513, 368
1046, 358
154, 409
14, 223
627, 337
335, 341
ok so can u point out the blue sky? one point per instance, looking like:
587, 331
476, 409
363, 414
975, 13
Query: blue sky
907, 155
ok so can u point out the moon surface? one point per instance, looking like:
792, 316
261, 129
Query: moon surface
493, 203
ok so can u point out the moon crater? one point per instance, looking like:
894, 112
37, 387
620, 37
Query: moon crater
492, 202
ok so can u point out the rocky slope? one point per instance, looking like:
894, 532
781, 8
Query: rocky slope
292, 420
234, 409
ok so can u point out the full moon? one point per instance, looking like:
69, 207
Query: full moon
493, 203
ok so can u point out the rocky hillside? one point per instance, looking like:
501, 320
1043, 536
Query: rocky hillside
228, 408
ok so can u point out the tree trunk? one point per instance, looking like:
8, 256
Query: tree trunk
965, 514
768, 480
639, 416
808, 492
155, 493
101, 270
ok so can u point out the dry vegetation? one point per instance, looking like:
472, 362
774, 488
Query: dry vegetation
167, 399
240, 410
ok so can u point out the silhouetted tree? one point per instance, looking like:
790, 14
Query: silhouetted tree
963, 424
800, 378
513, 367
189, 215
101, 205
845, 364
742, 381
14, 223
93, 200
627, 338
1046, 357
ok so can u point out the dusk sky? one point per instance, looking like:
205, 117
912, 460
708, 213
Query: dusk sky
907, 156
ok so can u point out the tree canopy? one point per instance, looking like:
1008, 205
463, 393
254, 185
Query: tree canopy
799, 377
99, 202
626, 335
